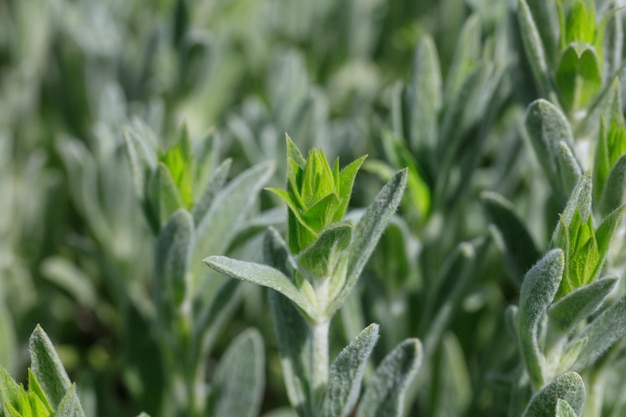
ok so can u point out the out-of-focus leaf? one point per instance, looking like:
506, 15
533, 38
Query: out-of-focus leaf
535, 51
164, 196
578, 76
173, 256
519, 246
424, 96
466, 55
68, 277
294, 345
231, 206
563, 409
238, 381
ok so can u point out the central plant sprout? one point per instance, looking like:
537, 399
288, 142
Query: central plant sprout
311, 277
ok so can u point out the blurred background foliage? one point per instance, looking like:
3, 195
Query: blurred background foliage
77, 251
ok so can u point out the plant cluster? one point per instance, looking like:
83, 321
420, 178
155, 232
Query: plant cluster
467, 260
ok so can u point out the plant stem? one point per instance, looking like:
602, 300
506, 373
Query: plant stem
319, 358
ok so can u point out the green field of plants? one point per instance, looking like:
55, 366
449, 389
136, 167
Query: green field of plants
312, 208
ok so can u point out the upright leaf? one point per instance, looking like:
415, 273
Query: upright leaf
606, 329
425, 96
547, 128
346, 374
48, 368
535, 51
70, 405
231, 206
238, 381
173, 256
384, 395
369, 230
519, 246
538, 290
294, 345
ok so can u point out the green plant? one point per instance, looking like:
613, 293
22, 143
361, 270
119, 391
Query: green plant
312, 277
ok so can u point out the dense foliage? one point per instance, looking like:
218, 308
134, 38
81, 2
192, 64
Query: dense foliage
439, 234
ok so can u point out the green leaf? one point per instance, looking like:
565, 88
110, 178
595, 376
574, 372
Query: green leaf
534, 48
518, 245
180, 163
581, 24
212, 317
47, 367
320, 257
604, 232
346, 374
164, 196
368, 231
569, 355
568, 165
143, 358
10, 392
612, 43
613, 193
578, 76
606, 329
579, 201
424, 96
238, 382
70, 405
345, 185
547, 127
8, 341
579, 304
568, 387
466, 55
538, 290
216, 182
545, 15
449, 387
141, 146
265, 276
35, 390
563, 409
173, 256
384, 395
64, 273
294, 345
231, 206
